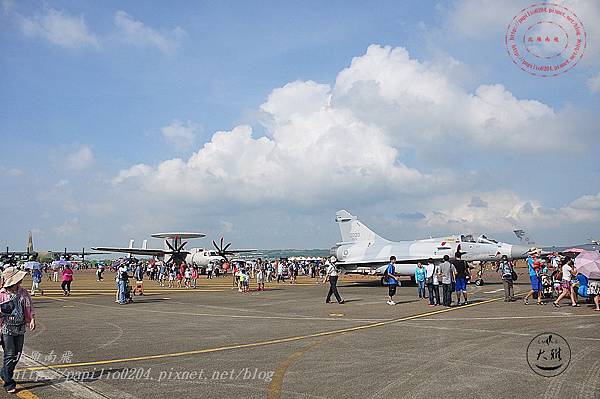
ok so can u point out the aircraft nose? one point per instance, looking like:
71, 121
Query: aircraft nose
518, 251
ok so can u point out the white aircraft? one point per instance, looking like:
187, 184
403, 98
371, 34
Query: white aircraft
202, 257
174, 251
361, 248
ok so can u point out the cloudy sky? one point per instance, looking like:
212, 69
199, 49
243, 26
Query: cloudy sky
258, 120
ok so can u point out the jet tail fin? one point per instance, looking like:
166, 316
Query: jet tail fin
352, 230
523, 236
145, 244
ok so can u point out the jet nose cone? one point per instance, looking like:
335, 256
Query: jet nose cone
519, 251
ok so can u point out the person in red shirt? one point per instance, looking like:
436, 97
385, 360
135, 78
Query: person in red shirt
67, 278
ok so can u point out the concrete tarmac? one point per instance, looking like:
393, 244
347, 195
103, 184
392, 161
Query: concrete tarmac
285, 342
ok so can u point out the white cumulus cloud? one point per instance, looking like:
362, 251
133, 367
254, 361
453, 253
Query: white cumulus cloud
325, 143
137, 33
180, 135
422, 108
60, 29
80, 159
505, 211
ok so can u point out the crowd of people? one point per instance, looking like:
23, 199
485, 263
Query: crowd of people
557, 275
553, 279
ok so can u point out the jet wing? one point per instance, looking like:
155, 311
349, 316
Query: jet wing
135, 251
239, 251
386, 261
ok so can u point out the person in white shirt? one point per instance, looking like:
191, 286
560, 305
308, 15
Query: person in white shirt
332, 275
568, 271
432, 283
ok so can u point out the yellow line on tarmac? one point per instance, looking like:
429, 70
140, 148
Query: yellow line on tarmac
255, 344
276, 386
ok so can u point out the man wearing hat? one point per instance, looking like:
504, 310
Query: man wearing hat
332, 275
16, 312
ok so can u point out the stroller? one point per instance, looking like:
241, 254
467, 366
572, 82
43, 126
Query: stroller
547, 286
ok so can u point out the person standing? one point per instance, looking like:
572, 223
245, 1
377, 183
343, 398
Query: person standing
194, 277
55, 272
138, 274
209, 270
462, 270
67, 279
122, 280
594, 289
447, 271
536, 285
279, 267
389, 277
260, 277
420, 276
332, 275
505, 268
430, 277
16, 312
99, 271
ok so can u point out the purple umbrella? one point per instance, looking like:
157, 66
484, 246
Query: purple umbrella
588, 264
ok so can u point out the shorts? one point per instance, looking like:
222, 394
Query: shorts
565, 285
461, 284
392, 289
536, 284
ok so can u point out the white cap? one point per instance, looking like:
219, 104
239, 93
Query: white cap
333, 259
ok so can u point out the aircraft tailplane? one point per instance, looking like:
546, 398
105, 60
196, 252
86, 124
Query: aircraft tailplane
353, 230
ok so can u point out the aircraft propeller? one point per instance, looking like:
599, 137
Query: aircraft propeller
177, 253
222, 250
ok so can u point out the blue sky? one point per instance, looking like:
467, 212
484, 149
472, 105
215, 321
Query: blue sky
100, 99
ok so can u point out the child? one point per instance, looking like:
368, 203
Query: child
260, 279
171, 277
245, 281
194, 277
188, 277
240, 280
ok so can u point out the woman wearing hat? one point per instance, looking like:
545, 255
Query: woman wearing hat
16, 311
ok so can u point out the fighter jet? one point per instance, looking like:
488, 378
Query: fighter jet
362, 248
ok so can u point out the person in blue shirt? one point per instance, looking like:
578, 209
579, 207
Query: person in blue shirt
391, 280
536, 284
420, 274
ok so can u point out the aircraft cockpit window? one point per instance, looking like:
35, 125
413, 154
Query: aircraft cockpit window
466, 238
483, 239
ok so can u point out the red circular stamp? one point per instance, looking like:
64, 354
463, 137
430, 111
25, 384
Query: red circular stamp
545, 39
